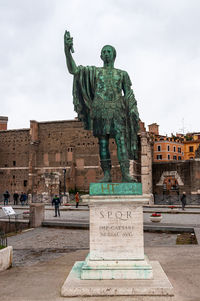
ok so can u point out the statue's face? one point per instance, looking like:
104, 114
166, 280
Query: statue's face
107, 54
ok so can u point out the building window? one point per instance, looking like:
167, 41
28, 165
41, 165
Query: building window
174, 149
174, 157
191, 149
25, 183
179, 150
159, 148
168, 148
179, 158
14, 163
159, 157
168, 157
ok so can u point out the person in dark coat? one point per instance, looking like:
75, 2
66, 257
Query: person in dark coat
23, 198
56, 203
6, 196
15, 198
183, 200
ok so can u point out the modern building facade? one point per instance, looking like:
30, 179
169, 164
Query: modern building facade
191, 144
166, 149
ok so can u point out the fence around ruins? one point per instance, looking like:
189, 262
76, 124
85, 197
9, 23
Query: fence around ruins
163, 199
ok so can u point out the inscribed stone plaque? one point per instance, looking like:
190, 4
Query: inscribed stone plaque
116, 231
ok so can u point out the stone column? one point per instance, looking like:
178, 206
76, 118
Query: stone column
146, 164
36, 214
33, 149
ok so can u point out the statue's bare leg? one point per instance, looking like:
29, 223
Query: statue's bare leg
105, 158
122, 155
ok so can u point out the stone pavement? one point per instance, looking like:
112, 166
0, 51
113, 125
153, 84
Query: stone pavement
42, 244
189, 217
43, 258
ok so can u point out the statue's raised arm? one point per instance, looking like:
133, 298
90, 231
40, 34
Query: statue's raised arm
68, 46
105, 103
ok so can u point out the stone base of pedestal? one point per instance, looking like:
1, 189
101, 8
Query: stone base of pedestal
116, 269
157, 289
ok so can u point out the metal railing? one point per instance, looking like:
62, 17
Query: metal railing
3, 240
164, 199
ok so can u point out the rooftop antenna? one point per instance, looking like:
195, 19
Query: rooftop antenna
182, 130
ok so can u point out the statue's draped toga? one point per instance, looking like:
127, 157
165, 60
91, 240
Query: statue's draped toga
98, 100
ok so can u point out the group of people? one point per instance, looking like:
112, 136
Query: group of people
16, 198
56, 202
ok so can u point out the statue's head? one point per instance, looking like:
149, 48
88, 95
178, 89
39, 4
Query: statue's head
108, 53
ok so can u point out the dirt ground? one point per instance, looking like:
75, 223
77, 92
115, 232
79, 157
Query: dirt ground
43, 258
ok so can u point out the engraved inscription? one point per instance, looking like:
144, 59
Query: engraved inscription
119, 231
122, 215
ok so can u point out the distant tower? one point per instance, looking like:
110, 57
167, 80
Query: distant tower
154, 128
3, 123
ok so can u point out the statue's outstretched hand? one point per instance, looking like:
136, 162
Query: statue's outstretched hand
68, 41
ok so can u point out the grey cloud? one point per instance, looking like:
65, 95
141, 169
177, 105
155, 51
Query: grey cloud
157, 42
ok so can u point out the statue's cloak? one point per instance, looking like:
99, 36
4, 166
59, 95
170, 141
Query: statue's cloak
83, 95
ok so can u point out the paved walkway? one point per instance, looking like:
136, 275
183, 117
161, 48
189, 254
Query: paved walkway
191, 216
44, 257
42, 244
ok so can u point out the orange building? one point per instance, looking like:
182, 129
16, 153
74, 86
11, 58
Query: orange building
175, 148
168, 149
191, 143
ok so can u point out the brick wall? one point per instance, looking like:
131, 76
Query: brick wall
14, 158
32, 160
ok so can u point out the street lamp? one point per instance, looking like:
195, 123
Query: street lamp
64, 173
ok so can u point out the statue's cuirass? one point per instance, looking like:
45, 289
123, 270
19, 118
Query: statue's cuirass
107, 103
108, 84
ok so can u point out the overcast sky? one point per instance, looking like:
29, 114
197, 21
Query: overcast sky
157, 43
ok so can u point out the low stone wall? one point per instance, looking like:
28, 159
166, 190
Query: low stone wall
13, 226
176, 199
6, 256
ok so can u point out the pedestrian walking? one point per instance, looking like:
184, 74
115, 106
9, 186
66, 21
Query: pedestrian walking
15, 198
183, 200
22, 199
56, 203
6, 196
77, 198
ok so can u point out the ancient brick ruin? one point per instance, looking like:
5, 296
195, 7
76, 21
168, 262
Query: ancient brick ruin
33, 160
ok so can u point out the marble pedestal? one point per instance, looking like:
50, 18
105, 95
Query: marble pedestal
116, 239
116, 264
157, 289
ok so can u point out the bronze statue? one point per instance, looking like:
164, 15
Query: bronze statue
100, 104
